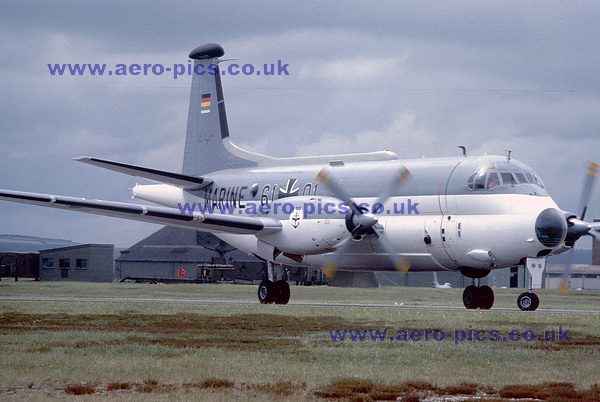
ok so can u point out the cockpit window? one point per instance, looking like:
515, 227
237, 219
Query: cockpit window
521, 177
489, 180
480, 181
493, 181
508, 178
470, 181
529, 178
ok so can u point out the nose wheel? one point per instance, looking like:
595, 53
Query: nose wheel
528, 301
478, 297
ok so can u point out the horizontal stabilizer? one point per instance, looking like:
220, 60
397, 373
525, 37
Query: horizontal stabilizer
175, 179
151, 214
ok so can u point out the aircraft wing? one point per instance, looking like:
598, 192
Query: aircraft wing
175, 179
146, 213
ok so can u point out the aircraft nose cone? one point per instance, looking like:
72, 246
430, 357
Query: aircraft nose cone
551, 227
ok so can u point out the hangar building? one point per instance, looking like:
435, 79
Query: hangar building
179, 254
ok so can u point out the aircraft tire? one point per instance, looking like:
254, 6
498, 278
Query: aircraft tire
471, 297
282, 292
486, 295
528, 301
266, 292
536, 302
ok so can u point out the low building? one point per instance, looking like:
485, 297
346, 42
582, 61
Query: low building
17, 265
86, 262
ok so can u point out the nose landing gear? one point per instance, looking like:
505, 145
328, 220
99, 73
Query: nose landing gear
529, 301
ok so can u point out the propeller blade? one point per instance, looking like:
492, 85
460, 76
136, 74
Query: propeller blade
565, 278
328, 179
329, 269
330, 266
401, 264
588, 186
394, 182
577, 226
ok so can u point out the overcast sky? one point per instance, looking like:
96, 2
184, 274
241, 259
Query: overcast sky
418, 78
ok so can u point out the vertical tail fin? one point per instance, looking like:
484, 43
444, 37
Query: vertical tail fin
435, 282
207, 120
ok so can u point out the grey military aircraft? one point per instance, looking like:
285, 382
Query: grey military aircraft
354, 212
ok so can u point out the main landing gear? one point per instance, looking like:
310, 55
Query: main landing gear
272, 291
475, 296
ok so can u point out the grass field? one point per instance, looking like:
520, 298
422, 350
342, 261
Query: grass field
168, 351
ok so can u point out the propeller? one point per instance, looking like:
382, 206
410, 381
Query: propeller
577, 227
588, 186
360, 221
565, 278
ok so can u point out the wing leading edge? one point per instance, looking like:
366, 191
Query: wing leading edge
146, 213
175, 179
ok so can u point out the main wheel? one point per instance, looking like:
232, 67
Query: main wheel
471, 297
282, 292
486, 295
266, 292
528, 301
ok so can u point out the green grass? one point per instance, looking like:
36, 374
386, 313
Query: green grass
56, 349
505, 298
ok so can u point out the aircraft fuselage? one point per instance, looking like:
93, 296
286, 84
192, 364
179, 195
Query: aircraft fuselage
453, 213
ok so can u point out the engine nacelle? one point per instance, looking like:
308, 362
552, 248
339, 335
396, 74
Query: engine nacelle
308, 230
164, 194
